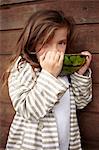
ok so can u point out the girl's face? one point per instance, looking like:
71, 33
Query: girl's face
57, 43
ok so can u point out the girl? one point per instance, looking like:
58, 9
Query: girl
45, 103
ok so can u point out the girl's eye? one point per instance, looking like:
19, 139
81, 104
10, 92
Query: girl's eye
62, 42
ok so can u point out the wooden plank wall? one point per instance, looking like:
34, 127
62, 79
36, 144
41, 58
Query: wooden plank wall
13, 15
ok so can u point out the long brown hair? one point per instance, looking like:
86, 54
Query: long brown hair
40, 27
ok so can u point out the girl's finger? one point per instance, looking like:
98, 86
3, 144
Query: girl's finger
57, 56
61, 57
88, 55
42, 57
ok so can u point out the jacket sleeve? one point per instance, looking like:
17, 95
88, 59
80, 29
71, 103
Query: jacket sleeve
32, 96
82, 89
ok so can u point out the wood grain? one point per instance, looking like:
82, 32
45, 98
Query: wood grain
6, 113
11, 2
87, 38
8, 40
89, 127
3, 137
87, 122
82, 11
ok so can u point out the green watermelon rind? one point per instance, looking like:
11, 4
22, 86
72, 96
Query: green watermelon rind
72, 63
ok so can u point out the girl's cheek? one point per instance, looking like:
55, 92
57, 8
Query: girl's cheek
62, 49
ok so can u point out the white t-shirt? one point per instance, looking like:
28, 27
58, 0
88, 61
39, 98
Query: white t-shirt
62, 115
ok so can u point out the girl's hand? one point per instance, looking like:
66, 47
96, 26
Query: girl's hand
83, 69
52, 62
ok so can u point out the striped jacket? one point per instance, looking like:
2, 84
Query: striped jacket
33, 95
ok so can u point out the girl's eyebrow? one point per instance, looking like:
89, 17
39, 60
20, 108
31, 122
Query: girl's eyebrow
63, 40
